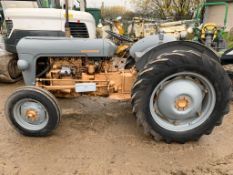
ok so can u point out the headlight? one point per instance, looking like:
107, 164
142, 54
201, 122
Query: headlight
177, 35
183, 35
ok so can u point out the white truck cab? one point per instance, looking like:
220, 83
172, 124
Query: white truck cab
43, 18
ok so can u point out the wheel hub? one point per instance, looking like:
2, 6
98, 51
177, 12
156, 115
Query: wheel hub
32, 115
182, 103
179, 99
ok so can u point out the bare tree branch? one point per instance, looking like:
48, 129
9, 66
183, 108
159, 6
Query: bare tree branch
176, 9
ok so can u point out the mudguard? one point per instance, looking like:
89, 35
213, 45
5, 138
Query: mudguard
143, 56
30, 49
146, 44
227, 57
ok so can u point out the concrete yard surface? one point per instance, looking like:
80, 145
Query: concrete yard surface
99, 136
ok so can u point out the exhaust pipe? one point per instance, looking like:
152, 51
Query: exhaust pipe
67, 25
83, 5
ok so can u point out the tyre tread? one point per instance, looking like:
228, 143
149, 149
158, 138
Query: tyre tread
176, 59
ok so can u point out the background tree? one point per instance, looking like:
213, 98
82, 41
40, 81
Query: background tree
115, 11
163, 9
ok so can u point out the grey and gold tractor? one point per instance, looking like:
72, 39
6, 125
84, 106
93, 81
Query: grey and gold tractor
178, 89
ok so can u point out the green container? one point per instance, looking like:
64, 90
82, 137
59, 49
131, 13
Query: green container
96, 13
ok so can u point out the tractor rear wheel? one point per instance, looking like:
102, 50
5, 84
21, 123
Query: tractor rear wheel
181, 96
33, 111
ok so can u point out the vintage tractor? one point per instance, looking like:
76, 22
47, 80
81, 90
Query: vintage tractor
202, 28
210, 33
181, 30
37, 18
213, 32
139, 28
178, 89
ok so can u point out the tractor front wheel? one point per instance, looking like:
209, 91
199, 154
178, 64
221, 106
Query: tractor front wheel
33, 111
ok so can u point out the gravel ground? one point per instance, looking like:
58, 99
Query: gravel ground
100, 136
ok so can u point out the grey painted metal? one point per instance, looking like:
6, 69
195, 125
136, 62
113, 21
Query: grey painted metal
176, 90
29, 49
62, 46
199, 92
144, 57
140, 48
20, 113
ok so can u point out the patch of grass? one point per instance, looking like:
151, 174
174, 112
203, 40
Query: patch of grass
229, 39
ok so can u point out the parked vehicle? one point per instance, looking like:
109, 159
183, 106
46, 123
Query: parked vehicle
38, 18
210, 33
178, 89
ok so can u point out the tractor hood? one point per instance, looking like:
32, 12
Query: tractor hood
30, 49
61, 46
18, 4
32, 13
47, 19
44, 13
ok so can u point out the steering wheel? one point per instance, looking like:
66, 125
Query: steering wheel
119, 37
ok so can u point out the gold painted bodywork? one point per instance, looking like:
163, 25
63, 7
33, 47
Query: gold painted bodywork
111, 79
119, 26
122, 50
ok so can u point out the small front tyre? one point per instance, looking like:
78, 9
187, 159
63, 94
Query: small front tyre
33, 111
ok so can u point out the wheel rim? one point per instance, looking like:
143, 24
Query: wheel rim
182, 101
30, 114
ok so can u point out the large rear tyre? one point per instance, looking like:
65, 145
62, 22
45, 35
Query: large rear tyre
181, 96
33, 111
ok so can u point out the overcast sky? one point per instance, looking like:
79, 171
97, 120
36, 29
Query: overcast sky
97, 3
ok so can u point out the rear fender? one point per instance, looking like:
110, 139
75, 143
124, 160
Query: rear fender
142, 58
144, 45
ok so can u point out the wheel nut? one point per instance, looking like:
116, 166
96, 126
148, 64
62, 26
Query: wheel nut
31, 115
182, 103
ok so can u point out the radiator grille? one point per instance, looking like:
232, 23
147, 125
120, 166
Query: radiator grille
78, 30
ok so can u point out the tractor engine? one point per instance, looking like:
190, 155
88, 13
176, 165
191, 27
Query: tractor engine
98, 76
